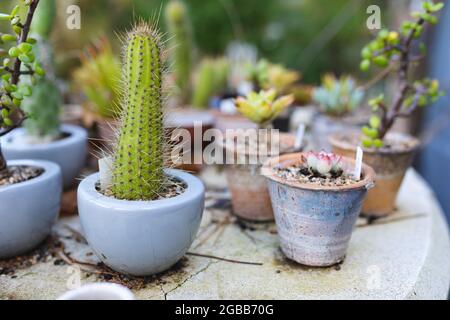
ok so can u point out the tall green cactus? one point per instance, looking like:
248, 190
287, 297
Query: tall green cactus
181, 45
45, 103
138, 161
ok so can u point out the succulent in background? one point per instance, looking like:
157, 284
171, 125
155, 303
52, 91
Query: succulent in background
263, 107
323, 164
395, 48
44, 105
98, 77
138, 160
266, 75
337, 97
211, 78
180, 33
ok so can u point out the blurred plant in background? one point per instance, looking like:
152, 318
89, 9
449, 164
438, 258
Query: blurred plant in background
98, 77
210, 79
338, 96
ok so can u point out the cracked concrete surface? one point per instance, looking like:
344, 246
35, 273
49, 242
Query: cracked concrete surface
406, 256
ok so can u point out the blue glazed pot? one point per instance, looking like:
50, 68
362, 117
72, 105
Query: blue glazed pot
315, 222
69, 152
29, 209
141, 237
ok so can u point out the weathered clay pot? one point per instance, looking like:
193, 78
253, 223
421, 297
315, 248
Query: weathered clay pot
314, 222
390, 165
323, 126
249, 195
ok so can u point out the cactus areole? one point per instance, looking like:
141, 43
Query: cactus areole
138, 159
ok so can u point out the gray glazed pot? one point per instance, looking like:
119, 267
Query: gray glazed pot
69, 153
29, 209
141, 237
315, 222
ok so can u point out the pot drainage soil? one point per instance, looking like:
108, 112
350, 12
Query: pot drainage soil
172, 188
17, 174
301, 174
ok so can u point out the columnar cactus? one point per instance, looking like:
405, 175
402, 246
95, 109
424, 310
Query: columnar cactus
181, 45
138, 161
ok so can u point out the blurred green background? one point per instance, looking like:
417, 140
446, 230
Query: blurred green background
313, 36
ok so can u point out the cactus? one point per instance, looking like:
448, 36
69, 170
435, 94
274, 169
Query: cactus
181, 45
98, 78
263, 107
396, 48
338, 97
211, 78
323, 164
138, 160
43, 106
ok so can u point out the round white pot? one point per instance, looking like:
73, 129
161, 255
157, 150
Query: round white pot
141, 237
99, 291
69, 153
29, 209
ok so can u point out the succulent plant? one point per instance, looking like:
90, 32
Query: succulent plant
394, 49
323, 164
178, 24
98, 77
138, 160
338, 97
19, 61
266, 75
43, 106
263, 107
211, 78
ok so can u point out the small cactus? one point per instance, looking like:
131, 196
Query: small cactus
338, 96
263, 107
181, 45
323, 164
138, 160
211, 78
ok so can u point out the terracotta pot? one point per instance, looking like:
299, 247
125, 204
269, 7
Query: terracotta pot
314, 222
390, 165
249, 195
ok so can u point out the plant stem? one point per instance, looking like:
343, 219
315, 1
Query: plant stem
388, 117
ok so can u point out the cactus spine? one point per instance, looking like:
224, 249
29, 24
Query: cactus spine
45, 102
138, 161
181, 45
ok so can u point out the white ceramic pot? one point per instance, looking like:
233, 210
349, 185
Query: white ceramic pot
29, 209
69, 152
141, 237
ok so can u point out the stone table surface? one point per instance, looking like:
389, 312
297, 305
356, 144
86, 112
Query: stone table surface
405, 256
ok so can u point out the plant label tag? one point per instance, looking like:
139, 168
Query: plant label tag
105, 166
358, 163
299, 136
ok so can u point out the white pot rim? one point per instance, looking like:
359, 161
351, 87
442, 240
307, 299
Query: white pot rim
195, 189
99, 289
76, 133
50, 169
